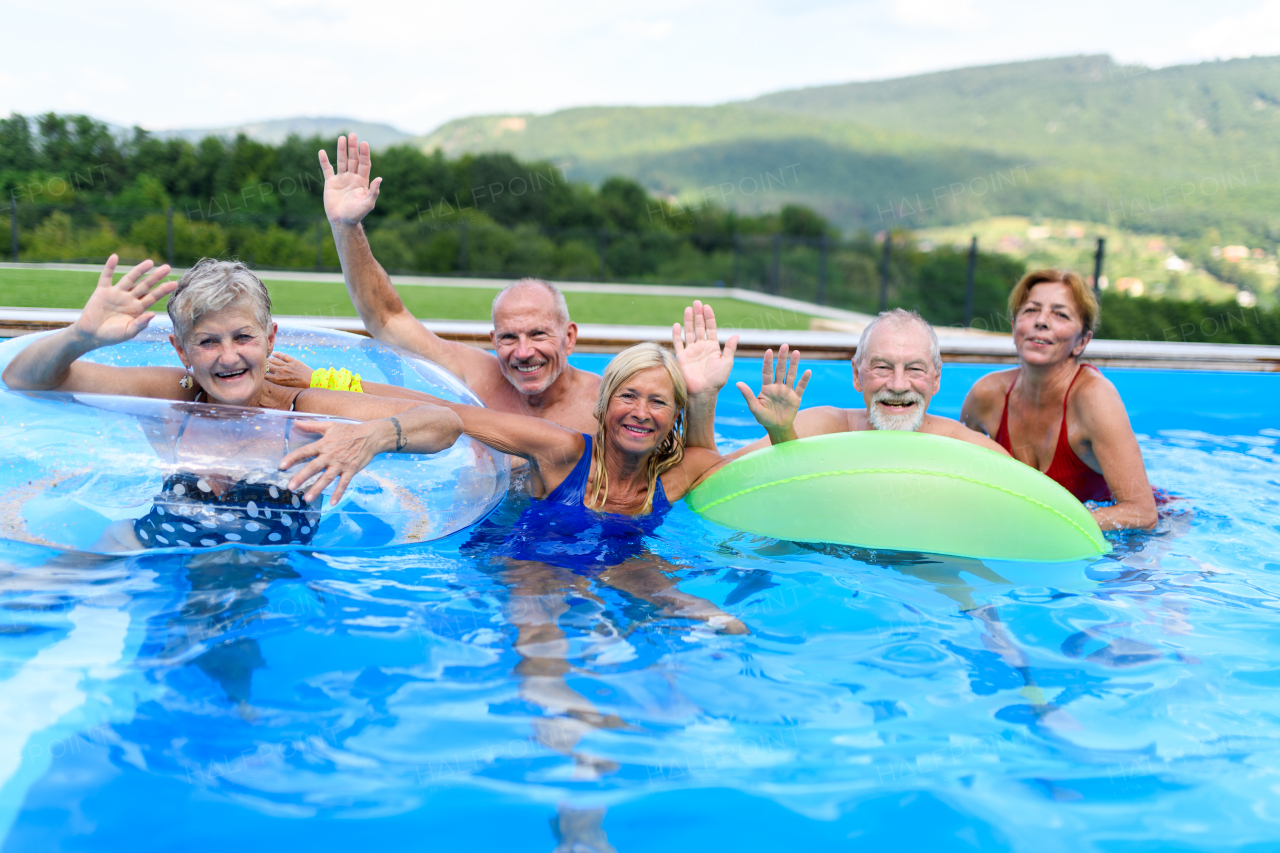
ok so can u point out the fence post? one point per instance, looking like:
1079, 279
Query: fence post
602, 244
169, 217
776, 273
462, 247
822, 270
13, 226
737, 256
884, 272
969, 282
319, 243
1097, 264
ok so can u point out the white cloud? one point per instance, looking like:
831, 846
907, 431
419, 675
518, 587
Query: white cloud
941, 14
644, 29
1256, 32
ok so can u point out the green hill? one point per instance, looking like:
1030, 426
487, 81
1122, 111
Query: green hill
1174, 150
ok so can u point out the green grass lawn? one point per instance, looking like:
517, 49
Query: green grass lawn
68, 289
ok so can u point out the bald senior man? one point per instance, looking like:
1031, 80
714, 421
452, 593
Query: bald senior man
529, 372
897, 369
532, 336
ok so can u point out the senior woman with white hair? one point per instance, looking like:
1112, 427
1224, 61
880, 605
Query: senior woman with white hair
223, 335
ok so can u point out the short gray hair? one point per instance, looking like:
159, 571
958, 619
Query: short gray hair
900, 315
212, 285
561, 307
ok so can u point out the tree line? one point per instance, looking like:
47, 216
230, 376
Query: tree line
82, 192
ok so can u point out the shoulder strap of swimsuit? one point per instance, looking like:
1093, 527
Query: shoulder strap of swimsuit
1003, 429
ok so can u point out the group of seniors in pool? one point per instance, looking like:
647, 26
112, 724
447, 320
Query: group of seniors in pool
627, 443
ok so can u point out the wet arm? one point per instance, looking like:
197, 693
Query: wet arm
1102, 415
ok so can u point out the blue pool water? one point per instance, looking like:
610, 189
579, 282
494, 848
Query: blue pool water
424, 698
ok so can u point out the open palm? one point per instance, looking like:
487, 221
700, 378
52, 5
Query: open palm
118, 312
348, 194
778, 402
703, 364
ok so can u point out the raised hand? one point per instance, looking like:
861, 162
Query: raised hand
286, 370
118, 312
702, 363
778, 402
348, 195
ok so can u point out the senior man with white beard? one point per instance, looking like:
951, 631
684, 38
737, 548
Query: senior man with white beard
897, 369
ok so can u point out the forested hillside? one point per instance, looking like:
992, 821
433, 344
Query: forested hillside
1174, 150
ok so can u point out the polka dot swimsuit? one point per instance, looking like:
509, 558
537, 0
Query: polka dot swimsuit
188, 514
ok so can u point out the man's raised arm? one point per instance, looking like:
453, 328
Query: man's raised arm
348, 198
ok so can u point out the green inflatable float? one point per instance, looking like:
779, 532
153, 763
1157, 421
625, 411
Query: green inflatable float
901, 491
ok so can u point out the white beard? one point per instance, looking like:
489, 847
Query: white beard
896, 423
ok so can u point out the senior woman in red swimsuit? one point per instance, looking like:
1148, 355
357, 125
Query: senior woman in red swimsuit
1056, 413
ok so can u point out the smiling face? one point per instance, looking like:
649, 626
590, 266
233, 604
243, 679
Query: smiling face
530, 338
227, 352
641, 412
1047, 328
897, 376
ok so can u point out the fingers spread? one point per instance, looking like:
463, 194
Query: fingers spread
804, 382
793, 367
709, 317
748, 395
325, 168
132, 276
766, 368
731, 348
108, 270
362, 168
342, 154
677, 343
699, 323
297, 456
151, 297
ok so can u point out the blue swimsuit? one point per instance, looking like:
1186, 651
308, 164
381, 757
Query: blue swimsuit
560, 531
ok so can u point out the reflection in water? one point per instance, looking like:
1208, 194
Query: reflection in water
540, 596
228, 592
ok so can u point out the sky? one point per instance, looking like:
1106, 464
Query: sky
164, 64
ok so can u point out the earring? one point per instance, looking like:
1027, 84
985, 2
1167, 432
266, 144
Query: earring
187, 381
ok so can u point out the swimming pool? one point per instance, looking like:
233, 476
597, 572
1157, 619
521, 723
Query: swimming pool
349, 701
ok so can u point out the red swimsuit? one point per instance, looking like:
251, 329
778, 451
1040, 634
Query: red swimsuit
1066, 468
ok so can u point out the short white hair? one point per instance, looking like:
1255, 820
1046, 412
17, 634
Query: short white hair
900, 315
561, 307
211, 286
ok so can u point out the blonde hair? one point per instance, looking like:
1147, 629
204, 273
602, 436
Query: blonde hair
1086, 300
212, 285
626, 364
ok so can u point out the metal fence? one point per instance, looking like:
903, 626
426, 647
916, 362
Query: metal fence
949, 285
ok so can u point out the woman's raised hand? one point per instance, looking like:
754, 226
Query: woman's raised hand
778, 402
288, 371
702, 363
117, 312
348, 195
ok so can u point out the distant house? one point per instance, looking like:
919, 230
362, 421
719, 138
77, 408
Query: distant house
1235, 254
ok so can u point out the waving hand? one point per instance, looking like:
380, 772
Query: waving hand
348, 195
118, 312
704, 366
778, 403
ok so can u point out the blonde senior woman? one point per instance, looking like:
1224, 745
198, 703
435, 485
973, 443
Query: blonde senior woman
223, 335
